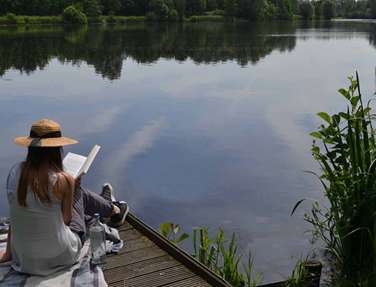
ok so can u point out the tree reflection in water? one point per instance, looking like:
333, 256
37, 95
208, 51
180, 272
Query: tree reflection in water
29, 49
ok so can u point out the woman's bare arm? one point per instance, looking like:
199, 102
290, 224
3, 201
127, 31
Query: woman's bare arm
65, 188
7, 255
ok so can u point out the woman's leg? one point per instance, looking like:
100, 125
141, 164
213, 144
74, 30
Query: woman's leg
94, 203
85, 204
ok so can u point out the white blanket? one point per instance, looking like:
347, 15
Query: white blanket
82, 274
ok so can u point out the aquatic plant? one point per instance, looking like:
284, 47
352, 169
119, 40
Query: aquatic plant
299, 275
217, 253
222, 256
173, 232
306, 273
344, 146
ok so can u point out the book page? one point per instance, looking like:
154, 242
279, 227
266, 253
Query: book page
73, 164
90, 158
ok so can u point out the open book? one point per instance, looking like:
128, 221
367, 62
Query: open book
77, 165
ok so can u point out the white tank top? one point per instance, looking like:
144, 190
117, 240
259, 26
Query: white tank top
41, 243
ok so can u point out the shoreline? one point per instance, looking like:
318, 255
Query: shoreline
18, 21
24, 21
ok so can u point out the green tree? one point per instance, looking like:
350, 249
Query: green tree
257, 10
328, 11
111, 6
318, 9
294, 6
372, 5
180, 8
160, 9
128, 7
92, 8
73, 16
306, 10
195, 7
270, 11
284, 9
221, 4
231, 8
251, 9
361, 10
211, 5
173, 15
5, 6
134, 7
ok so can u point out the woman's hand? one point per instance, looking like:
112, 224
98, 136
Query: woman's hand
77, 182
5, 257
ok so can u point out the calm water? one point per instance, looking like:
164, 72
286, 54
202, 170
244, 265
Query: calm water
202, 124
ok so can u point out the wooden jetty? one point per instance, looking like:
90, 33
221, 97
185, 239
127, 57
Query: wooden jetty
150, 260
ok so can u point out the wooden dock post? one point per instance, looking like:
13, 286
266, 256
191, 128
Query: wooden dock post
314, 269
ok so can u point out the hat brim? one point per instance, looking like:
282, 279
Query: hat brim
41, 142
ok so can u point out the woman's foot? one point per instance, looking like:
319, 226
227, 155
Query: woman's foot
120, 208
117, 219
107, 192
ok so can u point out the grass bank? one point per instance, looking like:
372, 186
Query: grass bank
13, 20
211, 18
30, 20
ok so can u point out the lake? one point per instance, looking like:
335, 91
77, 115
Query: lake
200, 124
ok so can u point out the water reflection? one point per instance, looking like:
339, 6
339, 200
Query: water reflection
105, 48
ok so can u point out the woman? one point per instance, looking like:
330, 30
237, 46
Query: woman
48, 207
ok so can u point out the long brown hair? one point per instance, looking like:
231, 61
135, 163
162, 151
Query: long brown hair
34, 172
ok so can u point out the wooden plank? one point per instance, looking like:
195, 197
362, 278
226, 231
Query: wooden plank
133, 257
276, 284
195, 281
179, 254
135, 244
156, 279
125, 226
140, 268
130, 234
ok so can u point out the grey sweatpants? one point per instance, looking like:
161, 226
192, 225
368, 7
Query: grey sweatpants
85, 204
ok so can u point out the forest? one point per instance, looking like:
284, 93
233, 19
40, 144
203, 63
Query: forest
175, 10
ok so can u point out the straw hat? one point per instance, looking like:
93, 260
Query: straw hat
44, 133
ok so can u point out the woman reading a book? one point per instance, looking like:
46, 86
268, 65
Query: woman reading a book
49, 209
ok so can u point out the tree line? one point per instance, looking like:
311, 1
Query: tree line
157, 9
350, 9
365, 9
252, 10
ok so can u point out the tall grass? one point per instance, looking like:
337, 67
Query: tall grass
344, 147
219, 254
299, 276
223, 257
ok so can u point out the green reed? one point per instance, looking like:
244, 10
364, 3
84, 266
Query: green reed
344, 146
217, 253
173, 232
223, 257
299, 277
